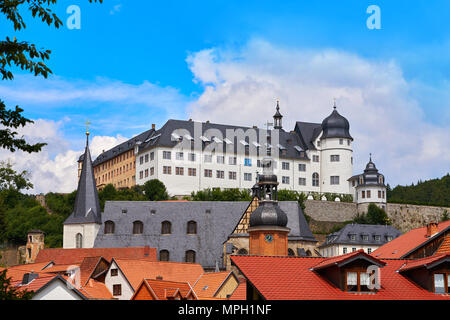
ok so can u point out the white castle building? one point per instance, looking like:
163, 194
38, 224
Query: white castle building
190, 156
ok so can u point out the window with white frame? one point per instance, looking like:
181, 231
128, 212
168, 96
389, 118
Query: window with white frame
192, 172
232, 175
207, 158
334, 158
220, 159
315, 158
315, 179
285, 180
152, 156
220, 174
302, 181
247, 176
179, 171
301, 167
232, 160
167, 170
179, 155
285, 165
191, 156
167, 155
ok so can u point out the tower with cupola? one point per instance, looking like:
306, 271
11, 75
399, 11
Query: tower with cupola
336, 154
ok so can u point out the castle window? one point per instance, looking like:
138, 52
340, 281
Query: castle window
302, 181
167, 170
152, 156
247, 176
377, 237
232, 175
167, 155
368, 193
192, 227
190, 256
191, 156
285, 165
232, 160
363, 194
192, 172
146, 158
301, 167
334, 158
179, 171
109, 227
138, 227
247, 162
207, 158
341, 141
285, 180
315, 158
164, 255
220, 159
166, 227
334, 180
315, 179
208, 173
179, 156
79, 240
220, 174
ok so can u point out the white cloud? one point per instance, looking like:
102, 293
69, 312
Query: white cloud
241, 86
55, 167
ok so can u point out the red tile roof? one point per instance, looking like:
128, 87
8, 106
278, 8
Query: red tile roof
96, 290
407, 242
136, 270
163, 289
423, 262
210, 282
240, 293
291, 278
76, 256
345, 257
445, 246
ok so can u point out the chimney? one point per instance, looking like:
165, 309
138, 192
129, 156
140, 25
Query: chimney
159, 277
153, 126
432, 229
146, 251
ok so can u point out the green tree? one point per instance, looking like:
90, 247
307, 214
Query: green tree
9, 292
445, 216
155, 190
374, 215
10, 179
217, 194
23, 55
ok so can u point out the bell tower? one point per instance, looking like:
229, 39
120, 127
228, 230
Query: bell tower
267, 230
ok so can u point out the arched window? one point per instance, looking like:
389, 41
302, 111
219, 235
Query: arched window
190, 256
79, 240
164, 255
315, 179
191, 227
109, 227
242, 252
166, 227
291, 252
138, 227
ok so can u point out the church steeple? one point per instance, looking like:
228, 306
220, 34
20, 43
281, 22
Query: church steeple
277, 117
87, 205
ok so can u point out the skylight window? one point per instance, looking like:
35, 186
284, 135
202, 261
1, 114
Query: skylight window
298, 148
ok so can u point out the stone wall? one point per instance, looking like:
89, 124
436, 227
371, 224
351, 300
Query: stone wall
327, 214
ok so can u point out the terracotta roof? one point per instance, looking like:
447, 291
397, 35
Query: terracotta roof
35, 284
209, 283
96, 290
445, 246
16, 272
136, 270
345, 257
76, 256
405, 243
58, 268
164, 289
423, 262
291, 278
240, 293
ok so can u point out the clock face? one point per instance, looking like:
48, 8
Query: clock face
268, 237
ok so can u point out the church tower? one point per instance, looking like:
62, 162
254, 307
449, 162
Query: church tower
267, 230
277, 118
82, 226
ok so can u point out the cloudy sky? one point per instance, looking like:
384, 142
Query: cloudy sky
136, 63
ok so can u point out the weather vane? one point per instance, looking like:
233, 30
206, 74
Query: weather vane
87, 127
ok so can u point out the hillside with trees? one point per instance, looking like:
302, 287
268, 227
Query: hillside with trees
434, 192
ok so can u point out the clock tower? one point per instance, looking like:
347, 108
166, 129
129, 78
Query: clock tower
268, 232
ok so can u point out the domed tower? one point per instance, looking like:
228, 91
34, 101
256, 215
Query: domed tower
267, 230
336, 163
370, 186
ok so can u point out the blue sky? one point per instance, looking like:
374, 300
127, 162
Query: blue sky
147, 50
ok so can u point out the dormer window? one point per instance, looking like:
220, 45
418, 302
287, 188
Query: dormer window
357, 281
365, 237
377, 237
352, 237
388, 238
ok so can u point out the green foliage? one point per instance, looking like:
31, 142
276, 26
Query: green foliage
155, 190
217, 194
445, 216
374, 215
434, 192
9, 292
61, 204
10, 179
15, 54
291, 195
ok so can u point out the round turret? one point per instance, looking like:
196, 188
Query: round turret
336, 126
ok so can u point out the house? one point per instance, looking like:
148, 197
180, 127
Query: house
353, 237
151, 289
216, 285
353, 276
124, 275
434, 238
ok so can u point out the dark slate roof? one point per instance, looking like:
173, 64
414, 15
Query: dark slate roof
371, 176
336, 126
163, 137
87, 206
213, 228
343, 235
121, 148
308, 132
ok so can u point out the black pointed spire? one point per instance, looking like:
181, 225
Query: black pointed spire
277, 117
87, 205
